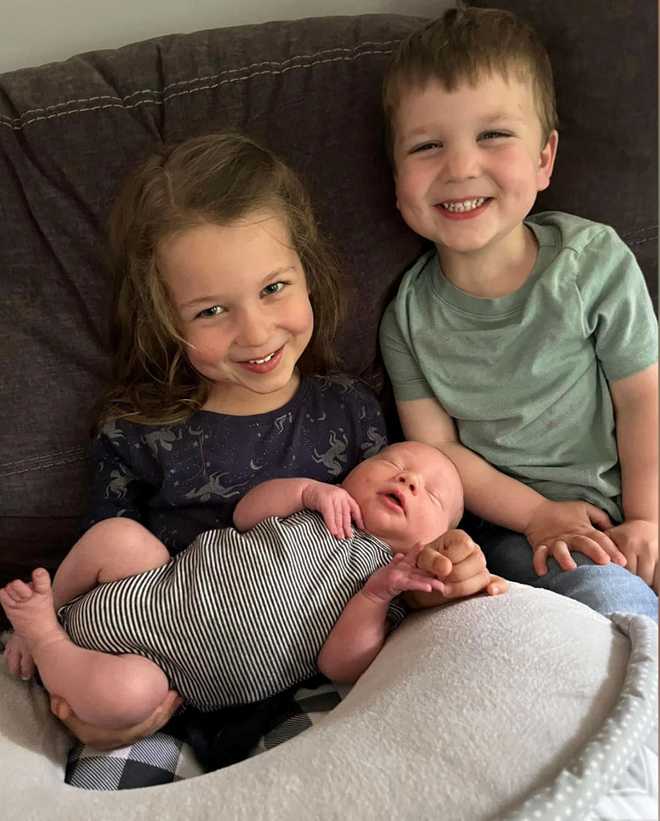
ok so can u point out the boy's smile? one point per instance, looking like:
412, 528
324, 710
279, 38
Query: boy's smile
468, 166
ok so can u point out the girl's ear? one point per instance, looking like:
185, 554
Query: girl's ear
547, 161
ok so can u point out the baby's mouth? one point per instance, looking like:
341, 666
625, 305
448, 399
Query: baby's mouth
395, 499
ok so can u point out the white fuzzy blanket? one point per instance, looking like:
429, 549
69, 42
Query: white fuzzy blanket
468, 712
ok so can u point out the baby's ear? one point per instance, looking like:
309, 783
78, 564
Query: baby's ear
547, 161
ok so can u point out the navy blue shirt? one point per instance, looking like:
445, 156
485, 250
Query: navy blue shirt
181, 479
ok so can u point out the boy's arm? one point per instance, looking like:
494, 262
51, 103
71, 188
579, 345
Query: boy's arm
281, 497
550, 527
636, 408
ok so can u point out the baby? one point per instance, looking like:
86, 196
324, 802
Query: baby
239, 616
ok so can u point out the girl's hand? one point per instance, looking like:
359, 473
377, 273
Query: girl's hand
336, 506
18, 657
555, 528
637, 539
104, 739
461, 565
401, 575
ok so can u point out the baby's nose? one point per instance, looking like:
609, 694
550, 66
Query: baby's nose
411, 480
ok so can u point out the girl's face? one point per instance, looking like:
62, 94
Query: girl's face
241, 298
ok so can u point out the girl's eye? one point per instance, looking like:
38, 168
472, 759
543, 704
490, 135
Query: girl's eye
418, 149
274, 288
207, 313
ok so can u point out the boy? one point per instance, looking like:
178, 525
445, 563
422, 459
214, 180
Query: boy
236, 617
515, 344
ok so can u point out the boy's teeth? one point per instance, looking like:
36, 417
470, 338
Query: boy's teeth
261, 361
464, 205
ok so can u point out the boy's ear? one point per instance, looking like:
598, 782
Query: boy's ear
547, 161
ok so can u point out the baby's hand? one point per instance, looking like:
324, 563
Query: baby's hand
555, 528
460, 563
401, 575
637, 539
18, 657
336, 506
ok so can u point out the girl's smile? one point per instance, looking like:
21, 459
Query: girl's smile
243, 308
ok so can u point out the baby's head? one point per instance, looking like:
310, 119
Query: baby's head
218, 180
408, 493
462, 47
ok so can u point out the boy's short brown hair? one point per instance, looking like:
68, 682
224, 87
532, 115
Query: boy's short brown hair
462, 45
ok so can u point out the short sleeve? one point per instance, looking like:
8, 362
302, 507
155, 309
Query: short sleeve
118, 485
617, 308
402, 367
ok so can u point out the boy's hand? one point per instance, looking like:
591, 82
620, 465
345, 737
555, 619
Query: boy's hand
104, 739
336, 506
18, 657
401, 575
637, 539
555, 528
460, 563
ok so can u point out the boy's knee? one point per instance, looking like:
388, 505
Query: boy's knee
608, 589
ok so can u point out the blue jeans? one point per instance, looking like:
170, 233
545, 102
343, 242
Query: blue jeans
605, 588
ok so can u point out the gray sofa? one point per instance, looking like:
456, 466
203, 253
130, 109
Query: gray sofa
486, 708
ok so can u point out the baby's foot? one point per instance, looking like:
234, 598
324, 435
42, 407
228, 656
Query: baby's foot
30, 609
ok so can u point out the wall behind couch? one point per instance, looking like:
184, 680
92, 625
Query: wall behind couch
40, 31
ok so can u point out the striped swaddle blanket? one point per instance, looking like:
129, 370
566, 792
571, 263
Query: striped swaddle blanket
236, 617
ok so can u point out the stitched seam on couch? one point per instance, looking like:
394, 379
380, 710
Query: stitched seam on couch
64, 457
211, 81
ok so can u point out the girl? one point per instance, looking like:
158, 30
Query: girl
226, 307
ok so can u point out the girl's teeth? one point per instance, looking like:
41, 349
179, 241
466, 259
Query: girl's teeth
261, 361
464, 205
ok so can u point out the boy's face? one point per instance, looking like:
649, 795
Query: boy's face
469, 164
408, 493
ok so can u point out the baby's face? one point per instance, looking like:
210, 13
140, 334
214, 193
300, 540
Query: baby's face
408, 493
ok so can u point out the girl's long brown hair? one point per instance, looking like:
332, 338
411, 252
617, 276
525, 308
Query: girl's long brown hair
215, 179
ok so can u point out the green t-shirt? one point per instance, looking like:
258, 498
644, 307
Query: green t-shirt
525, 376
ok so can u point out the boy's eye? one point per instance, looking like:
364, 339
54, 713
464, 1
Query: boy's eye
274, 288
493, 135
207, 313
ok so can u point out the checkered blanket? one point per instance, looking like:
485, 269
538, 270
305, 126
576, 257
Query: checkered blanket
167, 756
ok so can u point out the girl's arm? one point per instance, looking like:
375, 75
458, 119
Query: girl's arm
359, 634
550, 527
281, 497
636, 407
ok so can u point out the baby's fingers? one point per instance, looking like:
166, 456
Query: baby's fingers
26, 667
356, 513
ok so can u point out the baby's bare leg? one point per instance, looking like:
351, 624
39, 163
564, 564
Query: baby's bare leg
110, 550
101, 689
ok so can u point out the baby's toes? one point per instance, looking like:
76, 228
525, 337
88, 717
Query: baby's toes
18, 591
40, 580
